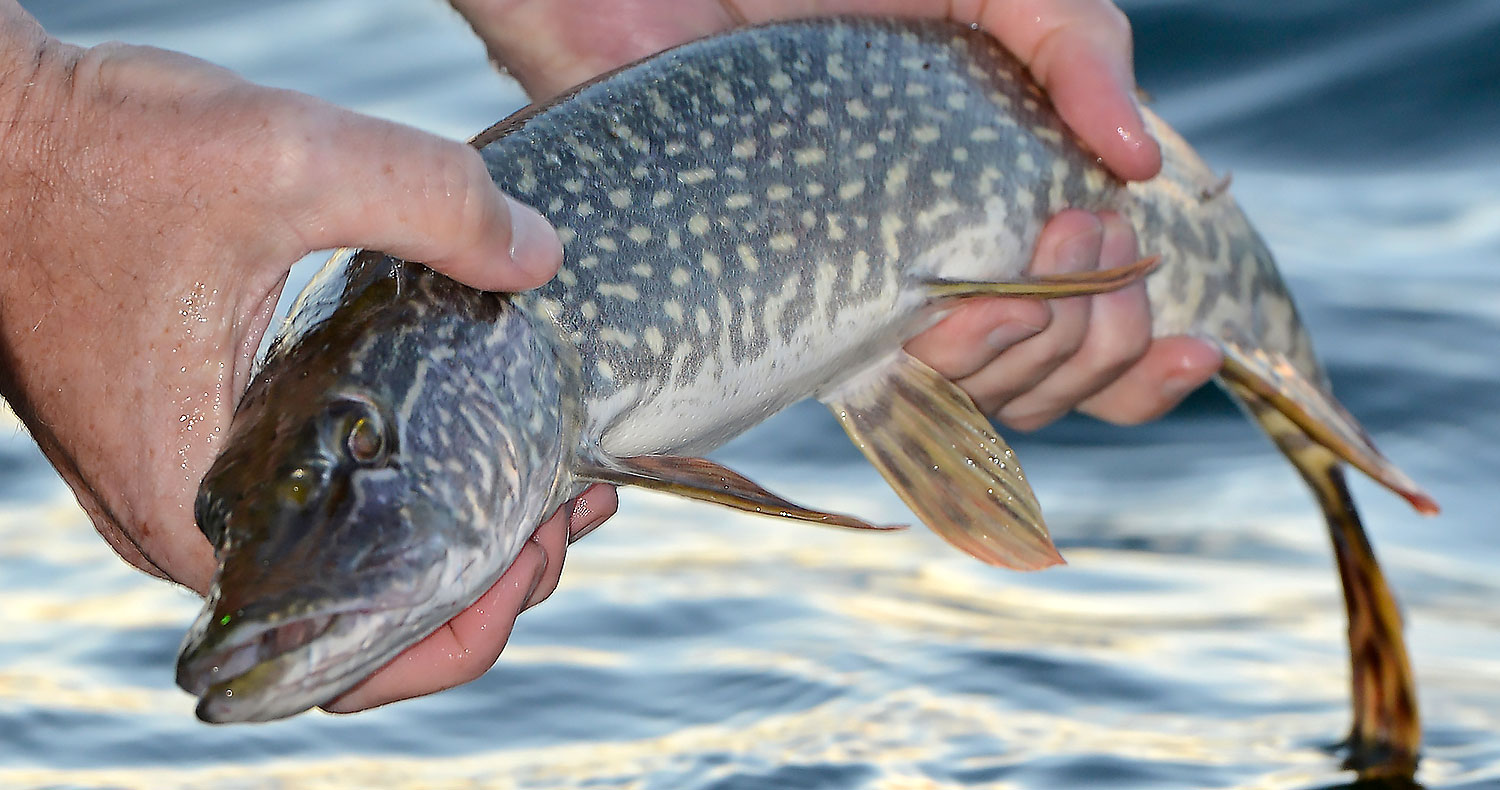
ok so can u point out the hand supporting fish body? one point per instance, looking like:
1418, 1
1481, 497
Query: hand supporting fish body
748, 220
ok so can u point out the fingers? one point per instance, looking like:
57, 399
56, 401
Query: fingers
1116, 333
468, 645
1080, 51
370, 183
1169, 371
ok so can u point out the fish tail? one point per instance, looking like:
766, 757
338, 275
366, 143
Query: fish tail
1386, 734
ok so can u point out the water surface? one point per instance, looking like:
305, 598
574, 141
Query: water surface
1194, 641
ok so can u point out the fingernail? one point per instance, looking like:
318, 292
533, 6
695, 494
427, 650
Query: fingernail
1009, 334
534, 246
1080, 251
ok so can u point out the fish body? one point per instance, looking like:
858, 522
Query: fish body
748, 220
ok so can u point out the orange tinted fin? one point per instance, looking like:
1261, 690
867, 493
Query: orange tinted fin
943, 458
706, 481
1271, 377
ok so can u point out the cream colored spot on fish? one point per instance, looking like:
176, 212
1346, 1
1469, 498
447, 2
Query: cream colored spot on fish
778, 130
836, 68
722, 94
573, 185
719, 119
890, 226
550, 306
743, 149
926, 218
680, 277
818, 118
926, 134
957, 101
673, 240
886, 135
835, 230
851, 190
895, 178
1025, 162
984, 134
747, 257
705, 138
1049, 134
605, 369
640, 234
960, 154
942, 179
589, 310
865, 151
696, 176
917, 89
675, 147
654, 340
1093, 179
778, 192
761, 104
588, 261
697, 224
813, 189
584, 209
857, 109
809, 156
624, 291
735, 172
554, 205
566, 236
782, 242
1060, 171
638, 172
619, 198
659, 106
642, 270
673, 309
711, 264
527, 183
567, 277
882, 90
808, 218
661, 198
779, 81
737, 201
859, 268
818, 88
701, 318
584, 151
606, 243
774, 160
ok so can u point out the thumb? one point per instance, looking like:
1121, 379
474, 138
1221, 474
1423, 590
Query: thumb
381, 185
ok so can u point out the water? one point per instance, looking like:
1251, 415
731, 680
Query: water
1194, 641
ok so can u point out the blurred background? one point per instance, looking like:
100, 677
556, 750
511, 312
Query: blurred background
1196, 638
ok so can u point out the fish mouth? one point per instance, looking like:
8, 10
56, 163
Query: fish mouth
262, 671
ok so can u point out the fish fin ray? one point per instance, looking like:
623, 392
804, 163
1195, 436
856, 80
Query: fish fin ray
1273, 378
706, 481
907, 419
1051, 286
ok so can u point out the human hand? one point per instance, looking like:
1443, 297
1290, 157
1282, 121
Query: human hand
1027, 362
155, 203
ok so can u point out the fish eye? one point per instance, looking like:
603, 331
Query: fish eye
361, 433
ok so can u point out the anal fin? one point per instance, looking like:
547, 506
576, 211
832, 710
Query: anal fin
1272, 378
706, 481
946, 462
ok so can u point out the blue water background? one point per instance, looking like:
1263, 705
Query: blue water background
1195, 640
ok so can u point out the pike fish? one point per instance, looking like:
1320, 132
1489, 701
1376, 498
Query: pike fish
748, 220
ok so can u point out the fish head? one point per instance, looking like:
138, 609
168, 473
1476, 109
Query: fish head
356, 509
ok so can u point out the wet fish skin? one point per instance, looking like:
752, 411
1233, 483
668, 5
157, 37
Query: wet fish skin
748, 220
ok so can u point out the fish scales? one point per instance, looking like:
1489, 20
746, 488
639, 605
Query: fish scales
769, 161
747, 221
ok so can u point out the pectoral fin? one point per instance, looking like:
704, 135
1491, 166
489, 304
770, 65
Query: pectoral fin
1272, 378
945, 461
1053, 286
706, 481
